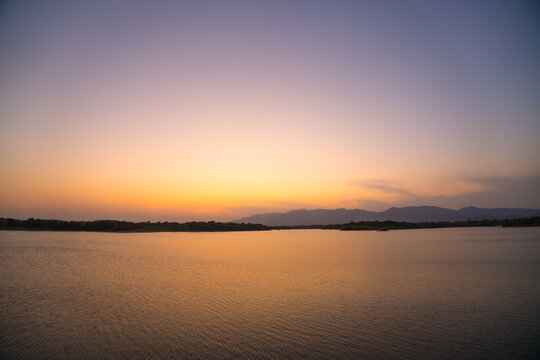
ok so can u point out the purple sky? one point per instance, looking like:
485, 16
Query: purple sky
217, 110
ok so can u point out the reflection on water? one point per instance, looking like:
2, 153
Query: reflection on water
412, 294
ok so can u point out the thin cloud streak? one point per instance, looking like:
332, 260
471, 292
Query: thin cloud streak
497, 191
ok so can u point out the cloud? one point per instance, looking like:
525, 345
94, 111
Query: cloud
486, 191
498, 192
384, 186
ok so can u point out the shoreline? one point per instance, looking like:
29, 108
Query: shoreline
125, 227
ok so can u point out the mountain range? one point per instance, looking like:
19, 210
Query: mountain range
408, 214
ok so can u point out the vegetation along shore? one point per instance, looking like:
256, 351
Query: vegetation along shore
212, 226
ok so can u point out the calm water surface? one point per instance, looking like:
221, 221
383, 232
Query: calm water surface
313, 294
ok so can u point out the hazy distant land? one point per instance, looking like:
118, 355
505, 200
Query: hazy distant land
413, 214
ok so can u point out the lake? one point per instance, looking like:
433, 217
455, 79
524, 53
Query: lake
312, 294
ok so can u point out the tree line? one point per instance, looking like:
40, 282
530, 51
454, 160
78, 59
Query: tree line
397, 225
125, 226
197, 226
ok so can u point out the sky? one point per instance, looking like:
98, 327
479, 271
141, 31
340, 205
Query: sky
215, 110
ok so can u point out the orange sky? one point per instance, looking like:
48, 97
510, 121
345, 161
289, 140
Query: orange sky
181, 112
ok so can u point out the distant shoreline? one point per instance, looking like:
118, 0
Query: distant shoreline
114, 226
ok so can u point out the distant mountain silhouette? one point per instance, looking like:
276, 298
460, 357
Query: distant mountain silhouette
408, 214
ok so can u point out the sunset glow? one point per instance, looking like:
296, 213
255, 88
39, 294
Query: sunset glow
202, 110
